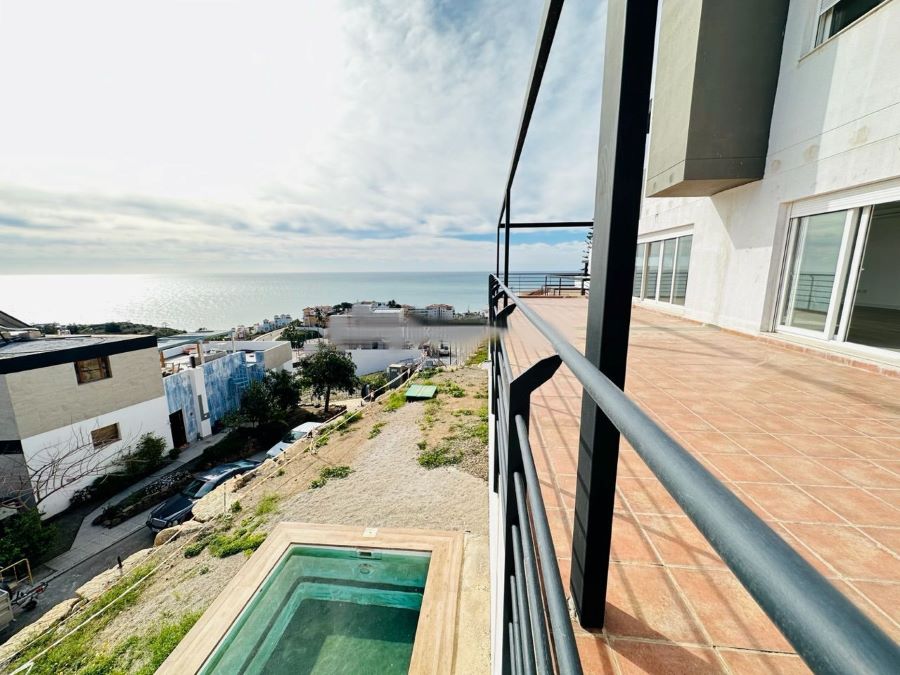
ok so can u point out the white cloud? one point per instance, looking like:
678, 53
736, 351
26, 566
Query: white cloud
288, 136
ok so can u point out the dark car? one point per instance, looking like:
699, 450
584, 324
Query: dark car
178, 508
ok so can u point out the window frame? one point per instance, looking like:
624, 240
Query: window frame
105, 443
103, 368
824, 17
653, 295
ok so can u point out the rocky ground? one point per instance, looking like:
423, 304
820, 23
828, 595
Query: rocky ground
387, 486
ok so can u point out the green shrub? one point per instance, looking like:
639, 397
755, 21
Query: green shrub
480, 355
268, 504
376, 429
196, 547
224, 545
236, 507
146, 457
454, 390
24, 535
335, 472
329, 472
395, 400
440, 456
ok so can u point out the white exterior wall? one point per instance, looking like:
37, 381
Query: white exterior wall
148, 417
374, 360
835, 125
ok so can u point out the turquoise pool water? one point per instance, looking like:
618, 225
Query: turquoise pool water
328, 610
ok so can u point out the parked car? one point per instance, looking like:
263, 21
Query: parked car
305, 430
178, 508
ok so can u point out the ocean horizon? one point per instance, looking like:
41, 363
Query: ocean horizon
222, 301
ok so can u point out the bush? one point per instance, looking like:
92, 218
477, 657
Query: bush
266, 505
395, 400
480, 355
142, 461
376, 429
145, 458
439, 456
330, 472
24, 535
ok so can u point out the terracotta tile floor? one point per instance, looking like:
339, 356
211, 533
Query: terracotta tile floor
810, 445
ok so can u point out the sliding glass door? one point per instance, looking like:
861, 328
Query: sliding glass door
841, 279
812, 275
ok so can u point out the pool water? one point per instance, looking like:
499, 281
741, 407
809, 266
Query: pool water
328, 610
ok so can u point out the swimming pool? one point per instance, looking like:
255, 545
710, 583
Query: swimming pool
329, 610
317, 598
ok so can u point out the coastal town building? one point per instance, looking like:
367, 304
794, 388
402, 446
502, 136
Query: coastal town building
203, 381
317, 316
69, 406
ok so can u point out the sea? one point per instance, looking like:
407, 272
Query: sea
222, 301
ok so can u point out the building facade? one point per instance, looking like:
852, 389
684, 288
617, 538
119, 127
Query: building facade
801, 241
204, 382
69, 406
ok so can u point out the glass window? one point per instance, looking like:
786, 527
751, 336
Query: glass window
91, 370
105, 435
812, 269
835, 16
652, 269
639, 270
682, 261
666, 270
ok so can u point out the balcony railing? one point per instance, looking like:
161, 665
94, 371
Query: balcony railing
556, 284
825, 628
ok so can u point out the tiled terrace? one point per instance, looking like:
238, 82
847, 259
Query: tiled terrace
810, 445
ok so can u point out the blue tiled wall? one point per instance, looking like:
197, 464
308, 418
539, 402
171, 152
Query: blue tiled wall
223, 378
180, 396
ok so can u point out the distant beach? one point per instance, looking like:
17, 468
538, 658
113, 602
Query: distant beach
220, 301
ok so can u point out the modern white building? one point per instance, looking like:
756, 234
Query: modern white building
772, 200
69, 406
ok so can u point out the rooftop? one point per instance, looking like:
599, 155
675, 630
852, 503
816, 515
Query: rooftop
44, 345
812, 446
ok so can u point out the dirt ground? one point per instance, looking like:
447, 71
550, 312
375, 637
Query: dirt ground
387, 487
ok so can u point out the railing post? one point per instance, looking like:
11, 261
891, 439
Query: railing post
630, 28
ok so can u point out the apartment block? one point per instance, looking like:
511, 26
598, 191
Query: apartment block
71, 405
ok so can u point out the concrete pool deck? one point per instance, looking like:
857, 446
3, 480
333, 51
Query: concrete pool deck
809, 444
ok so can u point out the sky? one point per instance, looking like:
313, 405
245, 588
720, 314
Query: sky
216, 136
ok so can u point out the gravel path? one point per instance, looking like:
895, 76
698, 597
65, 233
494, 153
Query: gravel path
388, 488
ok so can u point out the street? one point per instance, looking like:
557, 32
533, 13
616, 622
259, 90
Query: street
63, 587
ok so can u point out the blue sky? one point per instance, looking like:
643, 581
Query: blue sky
289, 136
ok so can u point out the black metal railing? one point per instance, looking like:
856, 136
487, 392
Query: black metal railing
825, 628
536, 628
549, 283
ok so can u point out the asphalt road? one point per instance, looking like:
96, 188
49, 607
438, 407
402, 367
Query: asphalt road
63, 587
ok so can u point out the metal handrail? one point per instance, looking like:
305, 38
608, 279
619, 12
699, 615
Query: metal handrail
828, 631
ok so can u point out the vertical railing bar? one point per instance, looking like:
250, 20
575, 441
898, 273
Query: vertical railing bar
517, 640
521, 601
560, 622
543, 662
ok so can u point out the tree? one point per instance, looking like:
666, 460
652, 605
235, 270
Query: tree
284, 388
326, 369
57, 466
588, 246
258, 405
